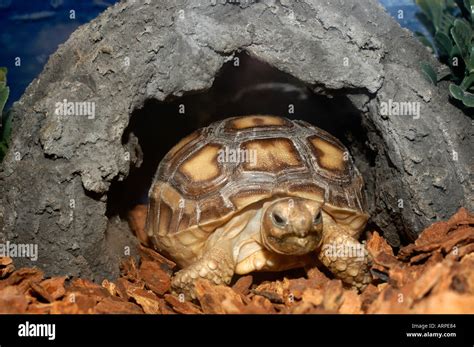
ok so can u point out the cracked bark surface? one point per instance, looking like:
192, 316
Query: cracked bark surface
54, 180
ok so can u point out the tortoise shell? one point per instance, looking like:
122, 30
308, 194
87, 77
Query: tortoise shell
218, 171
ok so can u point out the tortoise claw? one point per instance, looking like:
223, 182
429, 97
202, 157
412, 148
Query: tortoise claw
346, 258
216, 266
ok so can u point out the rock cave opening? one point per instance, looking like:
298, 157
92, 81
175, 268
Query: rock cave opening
243, 86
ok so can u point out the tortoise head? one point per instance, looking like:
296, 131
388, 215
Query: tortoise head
292, 226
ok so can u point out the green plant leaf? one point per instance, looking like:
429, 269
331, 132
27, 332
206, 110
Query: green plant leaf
444, 73
444, 44
450, 4
425, 41
470, 63
469, 4
462, 35
468, 99
7, 126
455, 91
3, 76
467, 82
459, 94
455, 52
425, 8
464, 7
436, 9
429, 72
446, 21
4, 93
426, 22
5, 135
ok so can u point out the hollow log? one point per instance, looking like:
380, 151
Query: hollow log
55, 179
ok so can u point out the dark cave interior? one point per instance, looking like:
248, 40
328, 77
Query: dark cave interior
243, 86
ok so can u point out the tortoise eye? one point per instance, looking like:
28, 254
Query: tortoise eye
318, 218
278, 220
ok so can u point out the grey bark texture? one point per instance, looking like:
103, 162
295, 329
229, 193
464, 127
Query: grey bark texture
55, 178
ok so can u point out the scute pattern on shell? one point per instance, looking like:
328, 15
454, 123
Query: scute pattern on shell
194, 190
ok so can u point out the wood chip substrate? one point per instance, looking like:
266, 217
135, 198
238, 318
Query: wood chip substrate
435, 274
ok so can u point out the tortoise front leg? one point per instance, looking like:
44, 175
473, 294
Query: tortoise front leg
344, 255
216, 265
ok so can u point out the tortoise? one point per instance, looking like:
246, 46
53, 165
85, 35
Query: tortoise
258, 193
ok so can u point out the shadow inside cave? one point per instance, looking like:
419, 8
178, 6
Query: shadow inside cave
244, 86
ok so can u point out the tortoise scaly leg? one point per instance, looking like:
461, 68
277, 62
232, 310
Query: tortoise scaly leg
345, 256
215, 265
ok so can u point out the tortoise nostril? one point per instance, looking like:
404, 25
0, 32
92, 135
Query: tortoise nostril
318, 218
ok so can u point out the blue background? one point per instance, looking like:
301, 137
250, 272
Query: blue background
33, 29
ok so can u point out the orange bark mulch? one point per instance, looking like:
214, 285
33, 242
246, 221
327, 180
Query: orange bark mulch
435, 274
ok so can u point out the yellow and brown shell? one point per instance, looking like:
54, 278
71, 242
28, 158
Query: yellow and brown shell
217, 171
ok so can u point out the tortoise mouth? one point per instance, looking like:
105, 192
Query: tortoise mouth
292, 244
